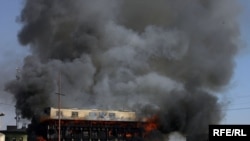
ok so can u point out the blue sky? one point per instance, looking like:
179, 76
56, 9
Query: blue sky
11, 53
238, 93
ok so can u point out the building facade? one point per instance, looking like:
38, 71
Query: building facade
88, 125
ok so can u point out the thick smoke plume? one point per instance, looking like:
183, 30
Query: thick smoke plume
156, 56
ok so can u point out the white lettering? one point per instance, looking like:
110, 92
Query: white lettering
216, 132
237, 132
222, 131
228, 132
242, 133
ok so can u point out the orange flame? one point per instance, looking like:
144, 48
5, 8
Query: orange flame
151, 124
128, 135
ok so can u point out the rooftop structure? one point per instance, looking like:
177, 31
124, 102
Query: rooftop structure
14, 134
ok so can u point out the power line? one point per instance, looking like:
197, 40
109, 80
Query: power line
240, 96
243, 108
241, 103
7, 104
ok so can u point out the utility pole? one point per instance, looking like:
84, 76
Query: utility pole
18, 117
18, 77
59, 107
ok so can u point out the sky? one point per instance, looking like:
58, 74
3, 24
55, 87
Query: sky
237, 94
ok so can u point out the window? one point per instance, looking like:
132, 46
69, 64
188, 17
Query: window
74, 114
102, 114
112, 115
61, 113
85, 134
92, 115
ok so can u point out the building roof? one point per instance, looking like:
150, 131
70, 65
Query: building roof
14, 129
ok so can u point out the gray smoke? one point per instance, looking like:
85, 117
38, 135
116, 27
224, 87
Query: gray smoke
171, 56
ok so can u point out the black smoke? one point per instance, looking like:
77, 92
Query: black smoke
172, 55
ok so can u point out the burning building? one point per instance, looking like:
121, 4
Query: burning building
157, 57
90, 124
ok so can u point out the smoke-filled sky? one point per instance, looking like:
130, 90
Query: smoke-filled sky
174, 56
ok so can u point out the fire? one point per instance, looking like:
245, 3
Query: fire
128, 135
40, 139
151, 124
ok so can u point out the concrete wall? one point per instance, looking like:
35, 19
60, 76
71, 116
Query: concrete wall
2, 137
93, 114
